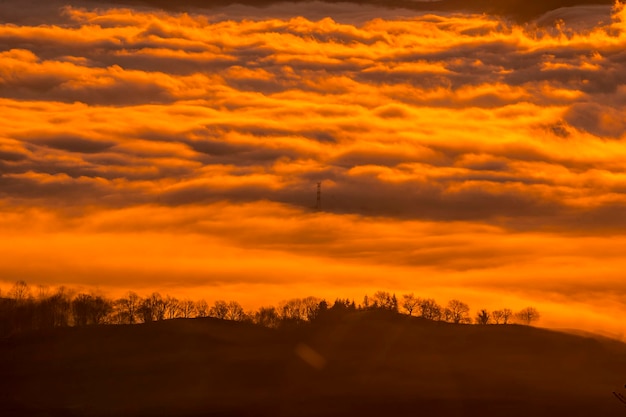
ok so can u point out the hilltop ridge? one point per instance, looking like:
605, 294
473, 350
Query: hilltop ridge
360, 363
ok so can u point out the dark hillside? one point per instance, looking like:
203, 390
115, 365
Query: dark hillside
362, 363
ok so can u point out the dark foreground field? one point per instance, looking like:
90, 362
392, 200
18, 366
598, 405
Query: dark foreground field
362, 364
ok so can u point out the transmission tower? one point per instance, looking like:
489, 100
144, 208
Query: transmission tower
318, 205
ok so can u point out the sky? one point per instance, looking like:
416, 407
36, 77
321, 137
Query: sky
460, 155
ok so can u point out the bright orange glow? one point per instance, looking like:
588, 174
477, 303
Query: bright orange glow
460, 156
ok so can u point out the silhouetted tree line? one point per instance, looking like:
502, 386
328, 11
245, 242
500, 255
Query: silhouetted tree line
23, 309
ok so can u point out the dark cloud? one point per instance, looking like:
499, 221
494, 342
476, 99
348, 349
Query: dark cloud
356, 158
69, 143
12, 156
514, 9
58, 190
391, 112
578, 18
600, 120
485, 164
219, 131
428, 200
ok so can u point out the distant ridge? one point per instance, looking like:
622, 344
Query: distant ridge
605, 336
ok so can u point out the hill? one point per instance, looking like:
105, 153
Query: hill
361, 363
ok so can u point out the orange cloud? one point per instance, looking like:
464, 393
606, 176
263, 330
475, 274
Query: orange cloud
459, 155
273, 251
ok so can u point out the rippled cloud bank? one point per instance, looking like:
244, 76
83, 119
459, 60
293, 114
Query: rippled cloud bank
460, 155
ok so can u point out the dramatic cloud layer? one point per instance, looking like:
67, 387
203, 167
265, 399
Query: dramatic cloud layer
459, 155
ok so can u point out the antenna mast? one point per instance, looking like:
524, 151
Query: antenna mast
318, 205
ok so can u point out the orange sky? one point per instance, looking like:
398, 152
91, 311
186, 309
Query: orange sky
461, 157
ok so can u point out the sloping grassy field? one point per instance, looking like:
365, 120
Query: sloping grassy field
360, 364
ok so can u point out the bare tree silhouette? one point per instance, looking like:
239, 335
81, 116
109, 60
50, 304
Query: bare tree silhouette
384, 300
172, 307
497, 316
20, 291
155, 306
483, 317
187, 308
409, 303
506, 315
202, 308
219, 310
234, 311
128, 307
457, 312
528, 315
267, 316
429, 309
